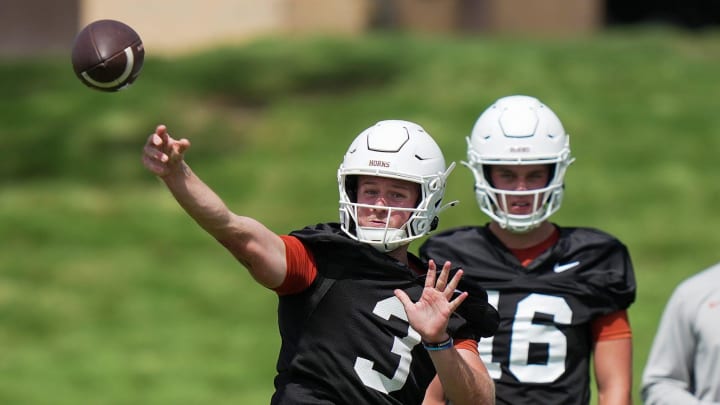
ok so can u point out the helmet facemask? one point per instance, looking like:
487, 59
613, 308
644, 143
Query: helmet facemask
494, 201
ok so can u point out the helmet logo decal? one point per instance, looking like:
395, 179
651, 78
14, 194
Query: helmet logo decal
378, 163
519, 149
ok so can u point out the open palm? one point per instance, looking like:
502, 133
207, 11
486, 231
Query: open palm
430, 315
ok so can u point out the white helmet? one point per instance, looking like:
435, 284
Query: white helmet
518, 130
399, 150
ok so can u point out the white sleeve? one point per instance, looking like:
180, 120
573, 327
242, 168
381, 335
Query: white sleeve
667, 377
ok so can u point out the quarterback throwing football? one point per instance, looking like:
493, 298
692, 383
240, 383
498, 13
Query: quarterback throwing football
360, 321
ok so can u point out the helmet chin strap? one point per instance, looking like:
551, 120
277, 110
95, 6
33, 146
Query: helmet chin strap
518, 229
382, 239
520, 224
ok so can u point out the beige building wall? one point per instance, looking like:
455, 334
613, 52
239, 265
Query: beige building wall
31, 26
545, 17
328, 16
536, 17
177, 26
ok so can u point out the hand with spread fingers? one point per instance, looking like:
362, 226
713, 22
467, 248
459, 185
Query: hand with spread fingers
429, 316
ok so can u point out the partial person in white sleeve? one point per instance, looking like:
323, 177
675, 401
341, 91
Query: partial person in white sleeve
684, 362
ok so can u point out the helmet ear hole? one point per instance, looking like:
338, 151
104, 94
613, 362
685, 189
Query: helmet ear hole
486, 173
420, 197
351, 185
551, 174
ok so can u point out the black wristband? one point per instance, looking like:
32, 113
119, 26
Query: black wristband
433, 347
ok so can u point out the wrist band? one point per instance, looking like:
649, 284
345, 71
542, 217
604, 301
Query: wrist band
433, 347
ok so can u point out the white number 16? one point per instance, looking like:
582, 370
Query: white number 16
524, 332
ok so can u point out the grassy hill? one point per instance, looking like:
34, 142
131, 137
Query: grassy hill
109, 294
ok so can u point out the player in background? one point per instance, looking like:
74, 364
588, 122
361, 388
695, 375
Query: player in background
360, 322
684, 362
562, 292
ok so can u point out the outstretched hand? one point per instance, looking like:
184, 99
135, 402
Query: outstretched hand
430, 315
162, 154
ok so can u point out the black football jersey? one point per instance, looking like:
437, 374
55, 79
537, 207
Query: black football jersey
346, 339
541, 351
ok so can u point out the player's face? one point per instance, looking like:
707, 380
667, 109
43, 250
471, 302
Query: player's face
519, 178
384, 192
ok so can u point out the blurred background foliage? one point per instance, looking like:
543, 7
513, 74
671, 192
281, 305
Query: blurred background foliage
109, 294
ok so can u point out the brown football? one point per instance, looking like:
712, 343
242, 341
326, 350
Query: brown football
107, 55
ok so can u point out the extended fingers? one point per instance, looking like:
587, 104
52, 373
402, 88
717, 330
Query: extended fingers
403, 297
454, 304
452, 287
442, 280
430, 276
454, 282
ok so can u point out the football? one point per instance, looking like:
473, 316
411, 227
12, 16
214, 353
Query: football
107, 55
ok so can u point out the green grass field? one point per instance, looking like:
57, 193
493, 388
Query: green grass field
109, 294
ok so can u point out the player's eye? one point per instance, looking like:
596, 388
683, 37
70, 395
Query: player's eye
368, 192
507, 176
398, 196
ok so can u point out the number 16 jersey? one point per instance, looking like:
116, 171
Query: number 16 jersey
541, 351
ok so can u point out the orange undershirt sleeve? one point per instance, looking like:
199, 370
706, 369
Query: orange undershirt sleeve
467, 344
301, 268
614, 325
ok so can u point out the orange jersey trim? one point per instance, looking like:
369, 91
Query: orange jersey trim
301, 268
614, 325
